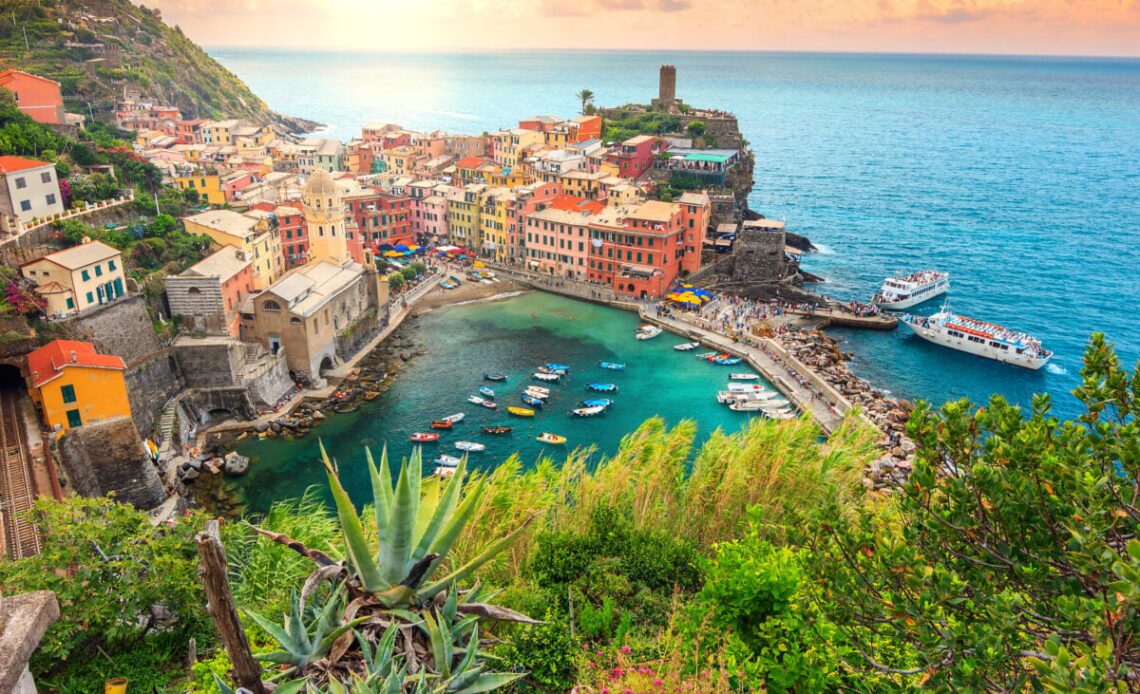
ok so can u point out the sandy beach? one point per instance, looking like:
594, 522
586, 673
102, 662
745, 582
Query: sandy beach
467, 293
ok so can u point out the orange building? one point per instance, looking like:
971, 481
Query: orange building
36, 96
73, 385
589, 128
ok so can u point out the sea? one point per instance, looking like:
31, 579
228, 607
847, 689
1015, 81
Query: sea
1020, 176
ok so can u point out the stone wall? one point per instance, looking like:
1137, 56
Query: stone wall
210, 362
109, 458
17, 250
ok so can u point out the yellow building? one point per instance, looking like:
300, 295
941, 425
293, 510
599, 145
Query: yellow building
208, 186
494, 219
77, 278
504, 178
247, 232
508, 143
582, 183
400, 160
463, 211
73, 385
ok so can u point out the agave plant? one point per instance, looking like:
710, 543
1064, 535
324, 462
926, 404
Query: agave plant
416, 527
304, 639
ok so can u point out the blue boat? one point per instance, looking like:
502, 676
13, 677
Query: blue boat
730, 361
484, 390
494, 377
600, 402
603, 387
612, 365
557, 368
532, 401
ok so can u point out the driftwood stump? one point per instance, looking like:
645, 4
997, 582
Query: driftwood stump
215, 578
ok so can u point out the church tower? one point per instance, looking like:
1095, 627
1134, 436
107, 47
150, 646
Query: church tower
324, 217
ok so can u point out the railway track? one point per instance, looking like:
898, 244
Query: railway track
17, 485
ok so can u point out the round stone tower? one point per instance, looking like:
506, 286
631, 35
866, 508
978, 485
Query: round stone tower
324, 217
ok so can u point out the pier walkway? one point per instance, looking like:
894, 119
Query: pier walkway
837, 316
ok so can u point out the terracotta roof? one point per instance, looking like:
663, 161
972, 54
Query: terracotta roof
49, 361
80, 256
470, 162
9, 164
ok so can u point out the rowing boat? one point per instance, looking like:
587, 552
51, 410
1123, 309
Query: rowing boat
588, 411
744, 377
550, 438
602, 387
423, 437
442, 424
532, 401
686, 346
496, 430
520, 411
455, 418
612, 365
546, 377
484, 390
447, 461
600, 402
496, 377
470, 446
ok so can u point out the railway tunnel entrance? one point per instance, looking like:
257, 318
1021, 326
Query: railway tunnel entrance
18, 537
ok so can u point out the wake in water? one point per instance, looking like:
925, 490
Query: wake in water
487, 299
1055, 368
821, 249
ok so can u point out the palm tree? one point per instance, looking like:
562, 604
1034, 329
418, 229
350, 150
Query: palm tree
585, 96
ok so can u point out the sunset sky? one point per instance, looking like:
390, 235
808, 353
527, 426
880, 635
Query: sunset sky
1052, 27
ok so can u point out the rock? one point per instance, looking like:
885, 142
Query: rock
235, 464
908, 446
261, 427
190, 475
898, 452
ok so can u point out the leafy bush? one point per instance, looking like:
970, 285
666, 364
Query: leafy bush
546, 652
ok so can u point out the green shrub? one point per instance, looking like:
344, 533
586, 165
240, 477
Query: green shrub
546, 652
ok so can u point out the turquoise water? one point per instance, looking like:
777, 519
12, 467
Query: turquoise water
1020, 176
512, 337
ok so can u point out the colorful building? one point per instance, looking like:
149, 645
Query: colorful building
38, 97
463, 208
638, 249
73, 385
78, 278
634, 157
209, 294
253, 234
558, 237
589, 128
494, 220
208, 186
29, 189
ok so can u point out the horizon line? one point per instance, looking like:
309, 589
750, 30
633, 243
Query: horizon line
497, 51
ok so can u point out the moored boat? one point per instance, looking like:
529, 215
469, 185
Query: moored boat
546, 377
538, 390
455, 418
647, 332
536, 394
495, 377
470, 446
546, 437
686, 346
447, 461
745, 387
442, 424
612, 365
744, 377
557, 368
423, 437
444, 473
532, 401
599, 402
520, 411
496, 430
476, 400
484, 390
980, 338
898, 293
602, 387
588, 411
707, 355
727, 361
490, 404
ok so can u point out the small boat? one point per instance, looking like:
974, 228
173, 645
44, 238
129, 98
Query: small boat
780, 415
423, 437
600, 402
744, 407
496, 377
442, 424
455, 279
686, 346
706, 355
470, 446
744, 377
550, 438
898, 293
726, 396
455, 418
537, 395
447, 461
612, 365
546, 377
444, 473
532, 401
729, 361
647, 332
448, 285
520, 411
588, 411
476, 400
490, 404
746, 387
715, 357
602, 387
560, 369
484, 390
538, 390
371, 394
496, 430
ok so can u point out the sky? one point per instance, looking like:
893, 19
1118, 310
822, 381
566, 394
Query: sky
1038, 27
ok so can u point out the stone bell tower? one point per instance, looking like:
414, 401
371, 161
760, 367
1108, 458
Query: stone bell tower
666, 89
324, 217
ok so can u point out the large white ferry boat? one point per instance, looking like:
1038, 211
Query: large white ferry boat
898, 293
980, 338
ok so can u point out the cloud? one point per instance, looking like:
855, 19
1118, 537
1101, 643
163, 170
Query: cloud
674, 5
621, 4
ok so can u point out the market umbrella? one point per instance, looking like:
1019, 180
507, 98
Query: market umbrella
392, 254
401, 247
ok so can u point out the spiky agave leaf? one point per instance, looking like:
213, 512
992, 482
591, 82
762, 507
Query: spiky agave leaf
356, 545
396, 543
470, 567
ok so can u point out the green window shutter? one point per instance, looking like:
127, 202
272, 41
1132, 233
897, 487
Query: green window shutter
73, 418
86, 275
70, 302
68, 393
90, 298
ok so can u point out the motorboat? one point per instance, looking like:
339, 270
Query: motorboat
898, 293
600, 402
560, 369
532, 401
745, 407
744, 377
707, 355
780, 415
496, 430
455, 418
470, 446
484, 390
442, 424
588, 411
490, 404
686, 346
612, 365
726, 397
715, 356
538, 390
536, 394
447, 461
647, 332
520, 411
496, 377
980, 338
727, 361
423, 437
603, 387
476, 400
444, 473
546, 377
745, 387
554, 439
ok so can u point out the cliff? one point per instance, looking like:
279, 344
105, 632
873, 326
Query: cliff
97, 49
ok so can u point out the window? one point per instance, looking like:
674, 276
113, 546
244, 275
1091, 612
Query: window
21, 183
271, 305
111, 265
50, 197
90, 298
25, 205
68, 393
98, 270
73, 419
70, 303
193, 290
45, 177
86, 275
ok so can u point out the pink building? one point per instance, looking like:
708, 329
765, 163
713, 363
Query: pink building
634, 157
557, 237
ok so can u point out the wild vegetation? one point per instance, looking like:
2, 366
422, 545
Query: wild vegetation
758, 562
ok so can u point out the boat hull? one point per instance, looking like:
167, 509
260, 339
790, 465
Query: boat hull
939, 288
961, 344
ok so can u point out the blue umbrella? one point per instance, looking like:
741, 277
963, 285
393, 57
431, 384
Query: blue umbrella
401, 247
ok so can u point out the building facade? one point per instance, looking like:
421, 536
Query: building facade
29, 189
73, 385
210, 293
78, 278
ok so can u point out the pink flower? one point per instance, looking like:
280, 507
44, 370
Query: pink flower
626, 649
599, 653
605, 690
590, 664
657, 683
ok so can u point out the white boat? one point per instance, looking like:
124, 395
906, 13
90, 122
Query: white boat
447, 461
455, 418
647, 332
588, 411
725, 397
780, 415
686, 346
538, 390
470, 446
744, 407
746, 387
980, 338
706, 355
546, 377
744, 377
444, 473
475, 399
536, 394
898, 293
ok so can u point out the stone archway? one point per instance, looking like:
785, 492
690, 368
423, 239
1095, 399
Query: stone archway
11, 377
325, 367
